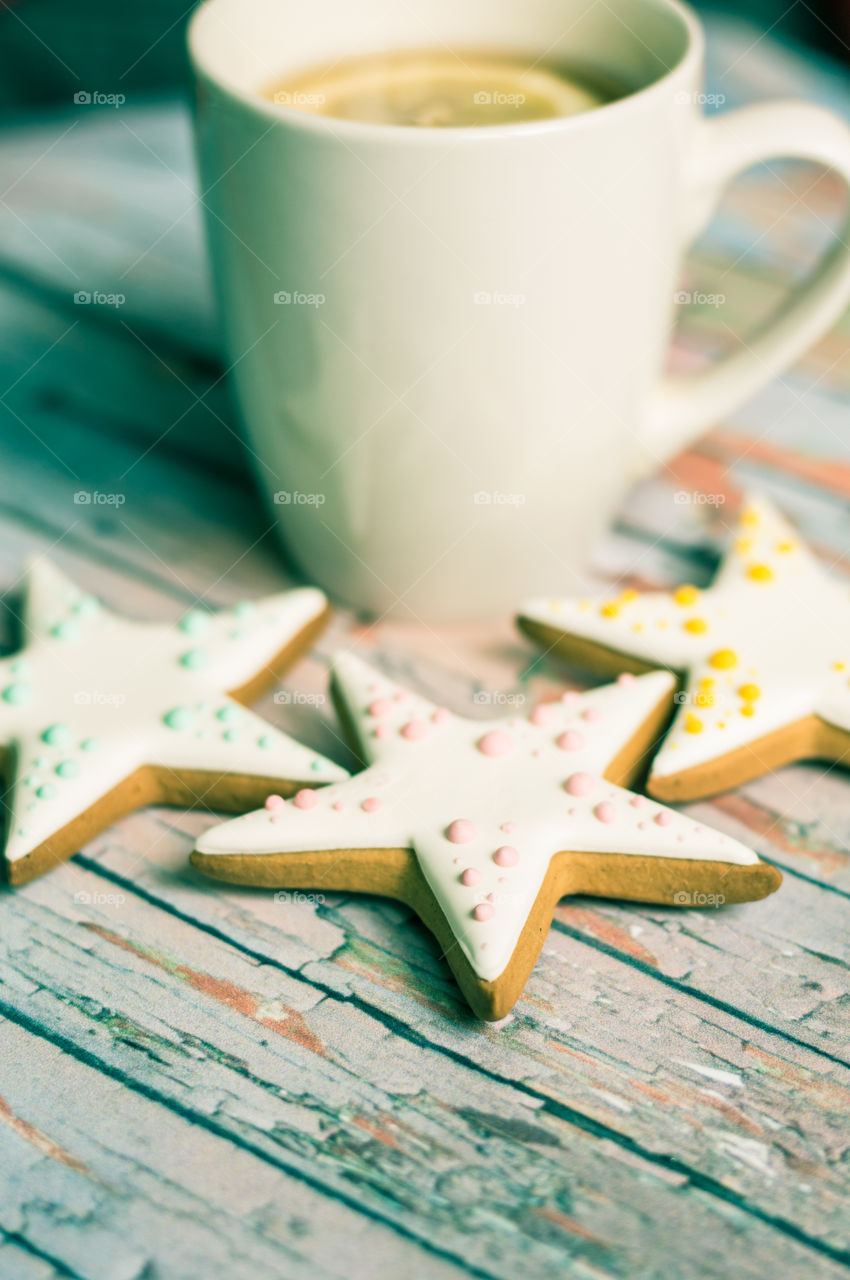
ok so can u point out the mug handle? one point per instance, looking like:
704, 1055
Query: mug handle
685, 405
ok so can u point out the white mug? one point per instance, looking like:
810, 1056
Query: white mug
448, 344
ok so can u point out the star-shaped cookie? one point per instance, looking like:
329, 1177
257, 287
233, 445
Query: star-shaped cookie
764, 654
481, 827
100, 715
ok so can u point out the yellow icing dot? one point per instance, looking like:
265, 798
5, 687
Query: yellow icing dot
696, 626
748, 709
610, 609
785, 547
750, 517
749, 692
743, 545
584, 605
705, 699
627, 596
556, 605
693, 724
721, 724
839, 666
637, 626
663, 624
686, 595
723, 659
759, 573
707, 682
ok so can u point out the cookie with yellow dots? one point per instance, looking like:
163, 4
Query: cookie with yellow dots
764, 656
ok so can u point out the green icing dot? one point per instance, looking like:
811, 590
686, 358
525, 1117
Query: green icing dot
194, 659
23, 831
86, 607
231, 735
179, 718
64, 631
316, 765
235, 635
89, 744
17, 694
244, 609
46, 791
68, 769
40, 762
30, 781
21, 668
265, 742
194, 623
57, 735
228, 715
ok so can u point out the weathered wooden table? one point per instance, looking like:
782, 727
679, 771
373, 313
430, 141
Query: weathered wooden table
196, 1081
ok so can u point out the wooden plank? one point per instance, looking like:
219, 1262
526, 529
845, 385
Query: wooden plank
111, 1185
643, 1073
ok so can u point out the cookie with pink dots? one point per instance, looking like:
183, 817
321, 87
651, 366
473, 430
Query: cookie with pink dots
481, 827
763, 653
100, 715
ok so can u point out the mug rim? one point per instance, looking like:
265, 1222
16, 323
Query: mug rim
360, 131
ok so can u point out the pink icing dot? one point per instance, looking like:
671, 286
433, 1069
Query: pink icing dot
380, 707
572, 812
605, 812
460, 831
579, 784
680, 838
338, 806
570, 698
274, 802
491, 897
572, 740
414, 730
383, 731
371, 804
441, 715
542, 715
664, 818
591, 715
305, 799
625, 678
470, 877
643, 826
402, 695
639, 802
495, 743
484, 911
508, 828
506, 856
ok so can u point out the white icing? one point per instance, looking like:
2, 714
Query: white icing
109, 683
425, 784
790, 636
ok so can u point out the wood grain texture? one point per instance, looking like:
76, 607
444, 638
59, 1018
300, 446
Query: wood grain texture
198, 1079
